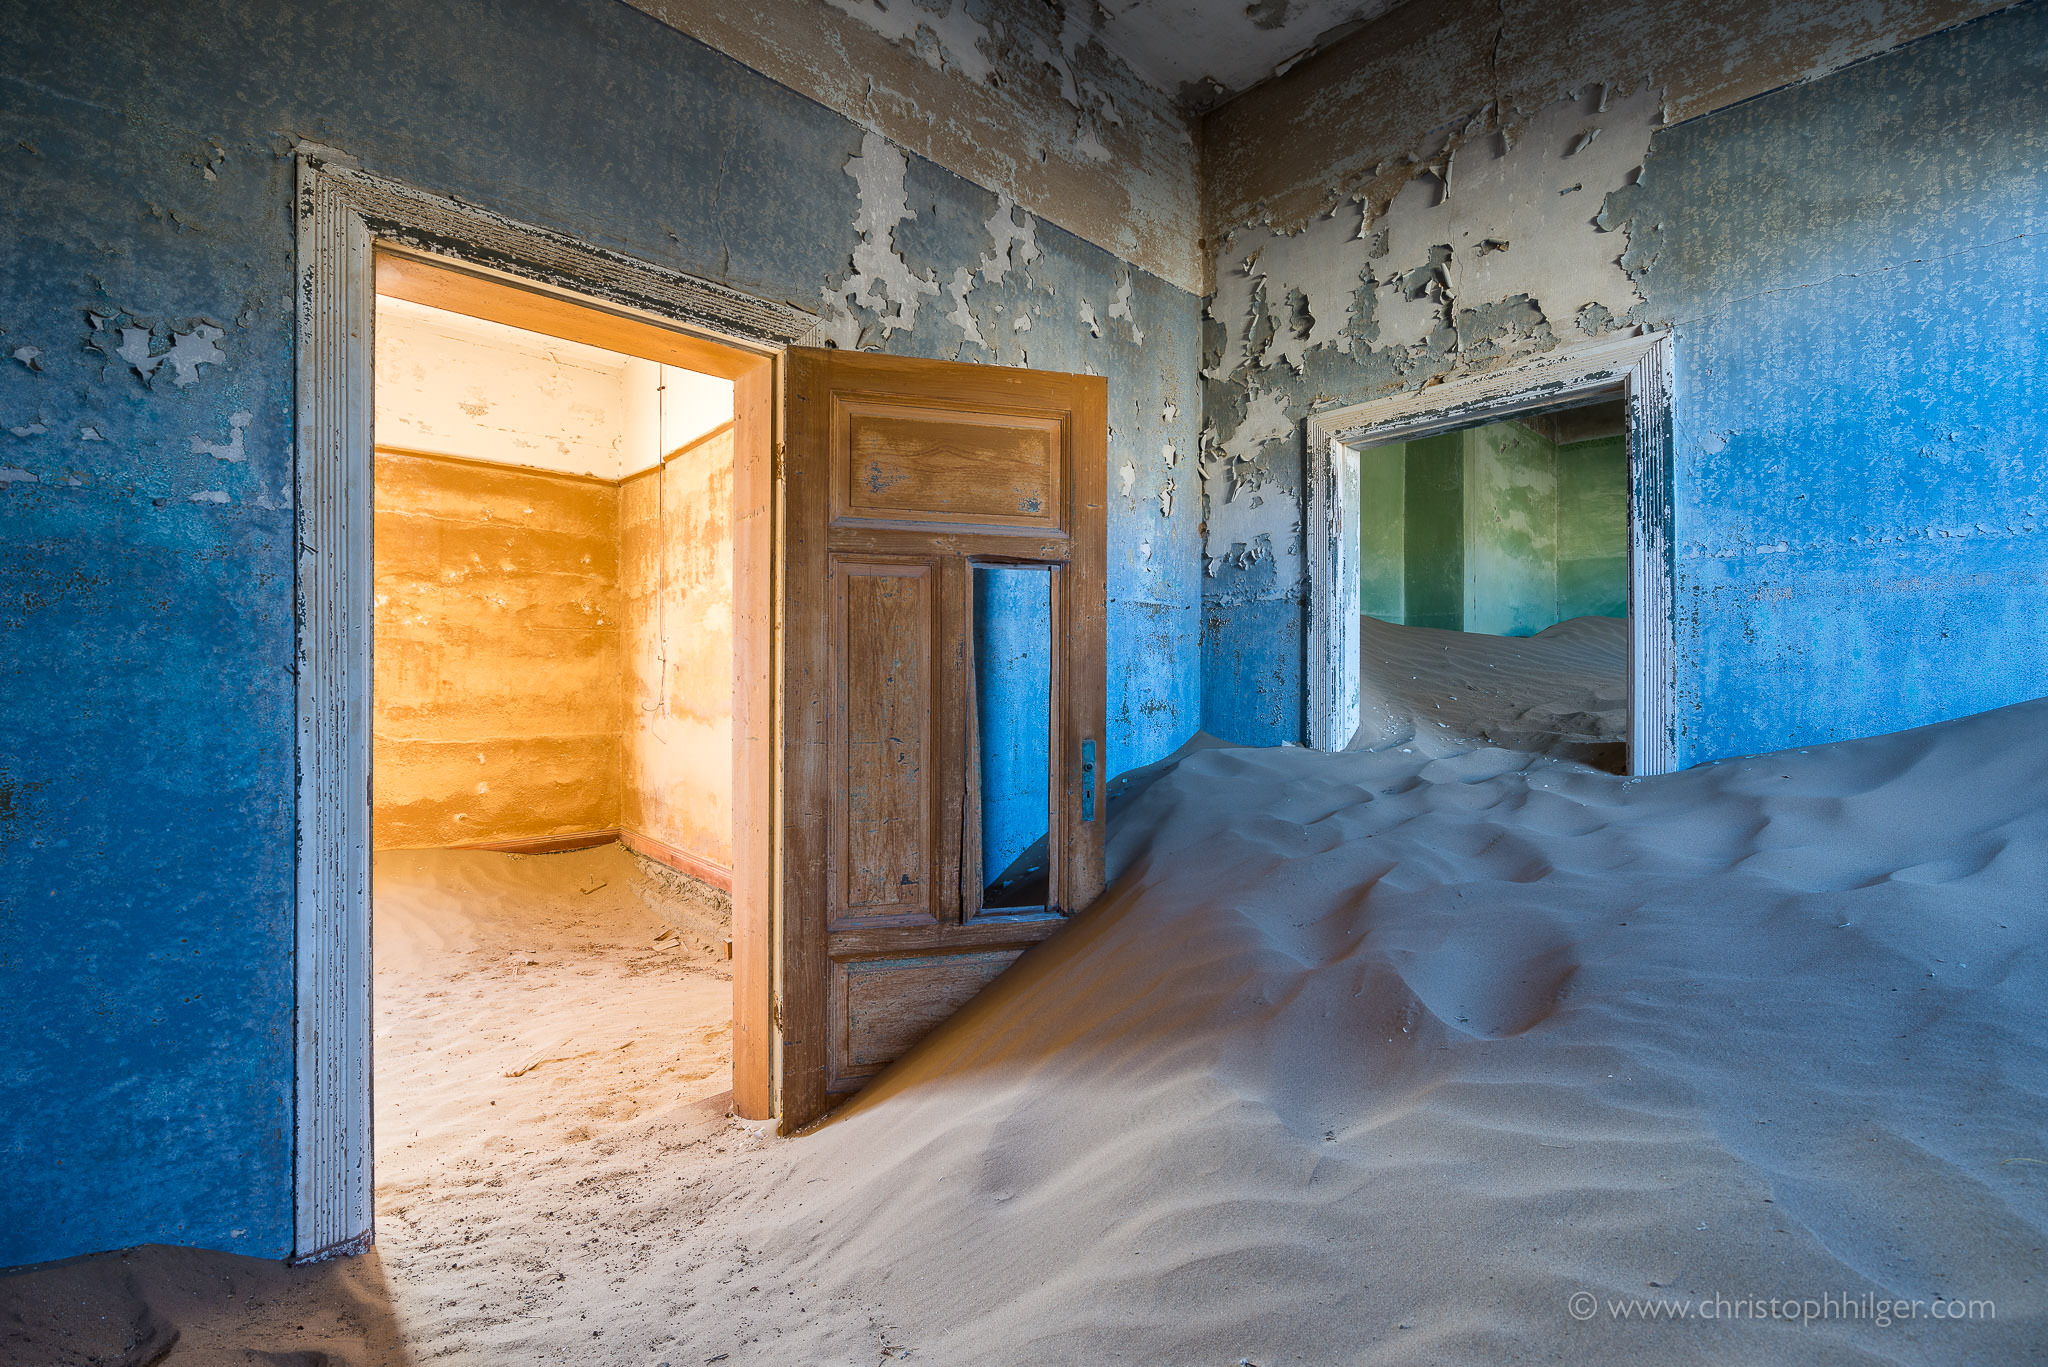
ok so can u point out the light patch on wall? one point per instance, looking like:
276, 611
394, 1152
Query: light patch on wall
942, 37
882, 281
1232, 304
1245, 525
1120, 307
1307, 280
135, 344
1014, 241
961, 316
1013, 246
1519, 220
231, 449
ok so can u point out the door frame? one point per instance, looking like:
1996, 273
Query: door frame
1638, 368
344, 217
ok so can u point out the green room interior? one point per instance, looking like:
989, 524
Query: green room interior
1506, 528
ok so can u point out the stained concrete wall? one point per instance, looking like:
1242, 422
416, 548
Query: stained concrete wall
1851, 271
676, 597
496, 651
146, 547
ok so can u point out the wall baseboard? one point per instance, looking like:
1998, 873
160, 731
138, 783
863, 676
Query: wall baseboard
682, 861
542, 844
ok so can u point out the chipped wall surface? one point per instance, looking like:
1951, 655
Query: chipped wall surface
1022, 97
675, 586
146, 248
1359, 118
1847, 269
497, 653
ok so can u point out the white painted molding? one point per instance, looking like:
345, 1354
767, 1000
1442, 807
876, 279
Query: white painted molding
1333, 633
1641, 369
343, 214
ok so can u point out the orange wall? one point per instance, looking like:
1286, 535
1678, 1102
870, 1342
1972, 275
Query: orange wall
497, 652
675, 577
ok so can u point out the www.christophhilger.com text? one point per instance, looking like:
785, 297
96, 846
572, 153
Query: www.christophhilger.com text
1868, 1308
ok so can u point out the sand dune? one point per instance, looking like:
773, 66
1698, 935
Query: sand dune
1562, 692
1376, 1057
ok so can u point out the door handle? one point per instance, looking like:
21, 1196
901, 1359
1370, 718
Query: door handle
1088, 779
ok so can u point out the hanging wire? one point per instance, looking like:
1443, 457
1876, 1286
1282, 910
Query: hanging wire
661, 527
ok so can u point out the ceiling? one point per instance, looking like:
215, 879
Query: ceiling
1206, 51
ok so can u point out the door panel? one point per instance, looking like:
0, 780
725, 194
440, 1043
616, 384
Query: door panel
902, 463
911, 491
880, 1007
884, 814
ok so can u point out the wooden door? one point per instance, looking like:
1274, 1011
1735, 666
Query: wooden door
919, 497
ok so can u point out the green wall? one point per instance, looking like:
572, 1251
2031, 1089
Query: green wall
1383, 532
1510, 530
1434, 581
1592, 529
1494, 529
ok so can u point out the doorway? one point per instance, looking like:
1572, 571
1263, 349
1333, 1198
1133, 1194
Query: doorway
551, 772
868, 493
1493, 583
1534, 541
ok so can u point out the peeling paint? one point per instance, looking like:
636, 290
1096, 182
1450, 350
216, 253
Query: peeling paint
137, 347
1034, 105
1408, 88
232, 449
942, 34
11, 475
1120, 307
882, 281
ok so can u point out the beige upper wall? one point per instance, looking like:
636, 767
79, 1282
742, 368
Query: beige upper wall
1029, 104
1359, 119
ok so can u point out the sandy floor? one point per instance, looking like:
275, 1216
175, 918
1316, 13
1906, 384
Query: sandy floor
1562, 692
1378, 1057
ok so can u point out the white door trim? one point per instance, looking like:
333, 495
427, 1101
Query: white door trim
1641, 368
343, 213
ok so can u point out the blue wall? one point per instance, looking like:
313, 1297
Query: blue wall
1855, 274
145, 584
